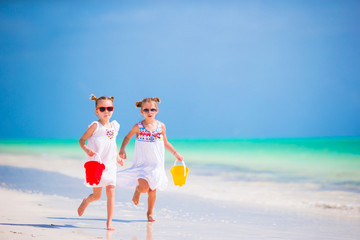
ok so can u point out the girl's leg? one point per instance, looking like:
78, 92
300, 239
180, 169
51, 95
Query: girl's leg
143, 187
151, 203
149, 231
96, 195
110, 193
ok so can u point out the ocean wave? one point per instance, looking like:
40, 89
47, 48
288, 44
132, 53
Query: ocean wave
335, 206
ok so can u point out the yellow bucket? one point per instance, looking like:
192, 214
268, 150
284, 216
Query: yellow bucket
179, 173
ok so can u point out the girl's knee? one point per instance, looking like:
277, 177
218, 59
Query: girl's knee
96, 197
143, 188
152, 192
110, 190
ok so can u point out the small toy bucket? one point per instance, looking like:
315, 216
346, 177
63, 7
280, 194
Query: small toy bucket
179, 173
94, 170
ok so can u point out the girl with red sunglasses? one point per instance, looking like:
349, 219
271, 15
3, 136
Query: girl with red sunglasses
101, 144
147, 174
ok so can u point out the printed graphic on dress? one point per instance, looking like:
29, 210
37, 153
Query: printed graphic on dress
110, 133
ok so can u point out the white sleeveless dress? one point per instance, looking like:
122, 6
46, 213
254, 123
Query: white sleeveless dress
149, 161
103, 142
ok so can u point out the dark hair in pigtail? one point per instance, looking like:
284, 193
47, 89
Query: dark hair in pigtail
93, 98
138, 104
156, 99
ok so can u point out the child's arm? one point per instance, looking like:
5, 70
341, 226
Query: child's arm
168, 145
118, 158
82, 141
127, 139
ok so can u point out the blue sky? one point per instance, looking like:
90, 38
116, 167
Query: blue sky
223, 69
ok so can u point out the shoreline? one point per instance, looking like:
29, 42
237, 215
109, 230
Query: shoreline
202, 209
295, 197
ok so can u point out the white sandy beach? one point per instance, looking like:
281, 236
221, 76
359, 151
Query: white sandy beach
40, 195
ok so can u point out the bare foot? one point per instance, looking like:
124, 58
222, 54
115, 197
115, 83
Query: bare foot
109, 226
136, 197
151, 218
82, 207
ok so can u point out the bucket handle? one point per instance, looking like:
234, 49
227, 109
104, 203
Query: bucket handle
183, 162
98, 157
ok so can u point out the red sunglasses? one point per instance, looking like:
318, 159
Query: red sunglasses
102, 109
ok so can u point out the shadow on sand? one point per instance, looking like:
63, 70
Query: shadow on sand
40, 225
97, 219
46, 182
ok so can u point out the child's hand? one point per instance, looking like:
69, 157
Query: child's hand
120, 160
90, 152
179, 157
122, 154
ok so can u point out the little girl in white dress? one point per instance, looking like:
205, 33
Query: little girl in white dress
101, 145
147, 174
148, 162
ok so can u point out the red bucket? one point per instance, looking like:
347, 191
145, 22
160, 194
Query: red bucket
93, 170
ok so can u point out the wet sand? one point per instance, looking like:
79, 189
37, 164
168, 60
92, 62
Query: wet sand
41, 203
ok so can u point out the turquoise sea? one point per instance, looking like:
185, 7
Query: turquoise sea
334, 163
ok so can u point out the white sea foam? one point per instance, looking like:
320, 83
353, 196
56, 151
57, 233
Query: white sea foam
287, 196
